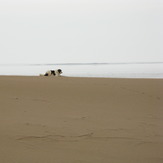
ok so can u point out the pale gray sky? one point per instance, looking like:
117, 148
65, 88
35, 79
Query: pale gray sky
58, 31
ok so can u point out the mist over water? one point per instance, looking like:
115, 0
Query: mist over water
113, 70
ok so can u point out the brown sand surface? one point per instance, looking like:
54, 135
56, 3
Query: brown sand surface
80, 120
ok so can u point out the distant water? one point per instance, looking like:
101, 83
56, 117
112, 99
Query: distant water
107, 70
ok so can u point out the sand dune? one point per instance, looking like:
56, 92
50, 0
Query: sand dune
80, 120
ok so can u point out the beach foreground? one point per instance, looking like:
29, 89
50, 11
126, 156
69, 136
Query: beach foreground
80, 120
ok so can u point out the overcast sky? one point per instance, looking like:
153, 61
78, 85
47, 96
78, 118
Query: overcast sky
59, 31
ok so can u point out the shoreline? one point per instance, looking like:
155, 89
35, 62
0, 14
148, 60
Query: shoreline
161, 78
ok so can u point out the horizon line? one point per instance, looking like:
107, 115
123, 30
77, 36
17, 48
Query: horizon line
79, 63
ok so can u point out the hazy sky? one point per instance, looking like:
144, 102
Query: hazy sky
58, 31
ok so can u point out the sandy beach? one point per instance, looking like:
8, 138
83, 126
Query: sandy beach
80, 120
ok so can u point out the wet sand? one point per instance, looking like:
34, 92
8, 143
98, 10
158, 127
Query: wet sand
80, 120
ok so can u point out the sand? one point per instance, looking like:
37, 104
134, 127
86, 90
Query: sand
80, 120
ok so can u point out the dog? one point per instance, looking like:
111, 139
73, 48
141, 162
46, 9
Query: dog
57, 72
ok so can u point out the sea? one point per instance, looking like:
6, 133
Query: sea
99, 70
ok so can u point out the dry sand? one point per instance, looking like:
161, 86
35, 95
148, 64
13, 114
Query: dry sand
80, 120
